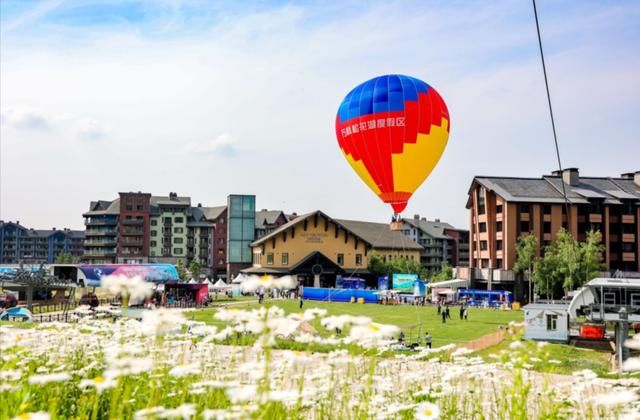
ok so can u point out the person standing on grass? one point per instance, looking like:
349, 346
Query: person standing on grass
461, 311
466, 313
301, 299
444, 317
439, 308
427, 340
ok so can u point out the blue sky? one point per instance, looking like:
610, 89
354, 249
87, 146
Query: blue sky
211, 98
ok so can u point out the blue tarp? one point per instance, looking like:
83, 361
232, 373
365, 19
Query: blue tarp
338, 295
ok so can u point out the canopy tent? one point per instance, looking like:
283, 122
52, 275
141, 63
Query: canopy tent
450, 284
219, 285
192, 281
239, 278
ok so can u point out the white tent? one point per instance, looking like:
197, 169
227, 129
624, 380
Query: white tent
219, 285
239, 278
192, 281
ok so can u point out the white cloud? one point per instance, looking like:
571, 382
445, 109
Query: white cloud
224, 145
274, 79
24, 118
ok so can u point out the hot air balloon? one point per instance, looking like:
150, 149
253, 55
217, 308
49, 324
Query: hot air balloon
392, 130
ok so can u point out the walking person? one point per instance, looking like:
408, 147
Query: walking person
448, 312
427, 340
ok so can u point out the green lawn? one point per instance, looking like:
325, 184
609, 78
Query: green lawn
409, 318
570, 358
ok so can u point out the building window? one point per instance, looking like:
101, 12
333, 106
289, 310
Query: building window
154, 222
524, 207
552, 322
221, 220
140, 207
546, 209
285, 258
499, 226
153, 243
524, 226
129, 207
483, 227
270, 258
341, 259
483, 245
154, 233
177, 240
480, 199
484, 263
499, 208
546, 226
179, 219
167, 220
177, 251
498, 263
499, 245
358, 259
178, 230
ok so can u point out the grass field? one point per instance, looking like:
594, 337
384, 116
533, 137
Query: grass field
554, 358
409, 318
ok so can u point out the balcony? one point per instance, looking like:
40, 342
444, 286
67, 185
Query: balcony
133, 232
100, 233
628, 237
100, 222
131, 242
100, 253
595, 218
92, 242
133, 222
628, 218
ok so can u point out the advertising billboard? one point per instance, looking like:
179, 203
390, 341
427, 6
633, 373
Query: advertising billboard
350, 283
383, 283
155, 273
403, 283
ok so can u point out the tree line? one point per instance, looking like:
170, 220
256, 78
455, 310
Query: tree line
565, 264
378, 266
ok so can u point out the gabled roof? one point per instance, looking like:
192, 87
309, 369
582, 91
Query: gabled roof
548, 189
432, 228
268, 217
212, 213
103, 207
377, 235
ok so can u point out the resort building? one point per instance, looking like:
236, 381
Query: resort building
316, 248
441, 242
501, 209
19, 244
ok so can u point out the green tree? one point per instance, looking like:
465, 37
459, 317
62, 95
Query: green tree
182, 273
547, 276
526, 252
195, 269
445, 273
66, 258
591, 263
378, 266
568, 254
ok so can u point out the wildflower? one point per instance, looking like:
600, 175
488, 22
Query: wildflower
242, 393
48, 378
161, 321
312, 313
185, 411
39, 415
631, 364
134, 287
427, 411
461, 351
516, 345
616, 398
100, 383
184, 370
148, 412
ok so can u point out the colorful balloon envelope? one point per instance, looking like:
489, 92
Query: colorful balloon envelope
392, 130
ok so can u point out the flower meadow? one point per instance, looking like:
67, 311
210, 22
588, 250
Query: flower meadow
165, 366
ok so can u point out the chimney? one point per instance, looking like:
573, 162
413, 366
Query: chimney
17, 222
416, 217
571, 176
437, 220
54, 228
199, 204
636, 178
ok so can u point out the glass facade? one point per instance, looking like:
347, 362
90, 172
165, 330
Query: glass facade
241, 229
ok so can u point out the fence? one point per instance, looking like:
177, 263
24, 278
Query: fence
490, 339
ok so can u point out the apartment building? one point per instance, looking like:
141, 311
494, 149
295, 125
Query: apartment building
501, 209
19, 244
441, 242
